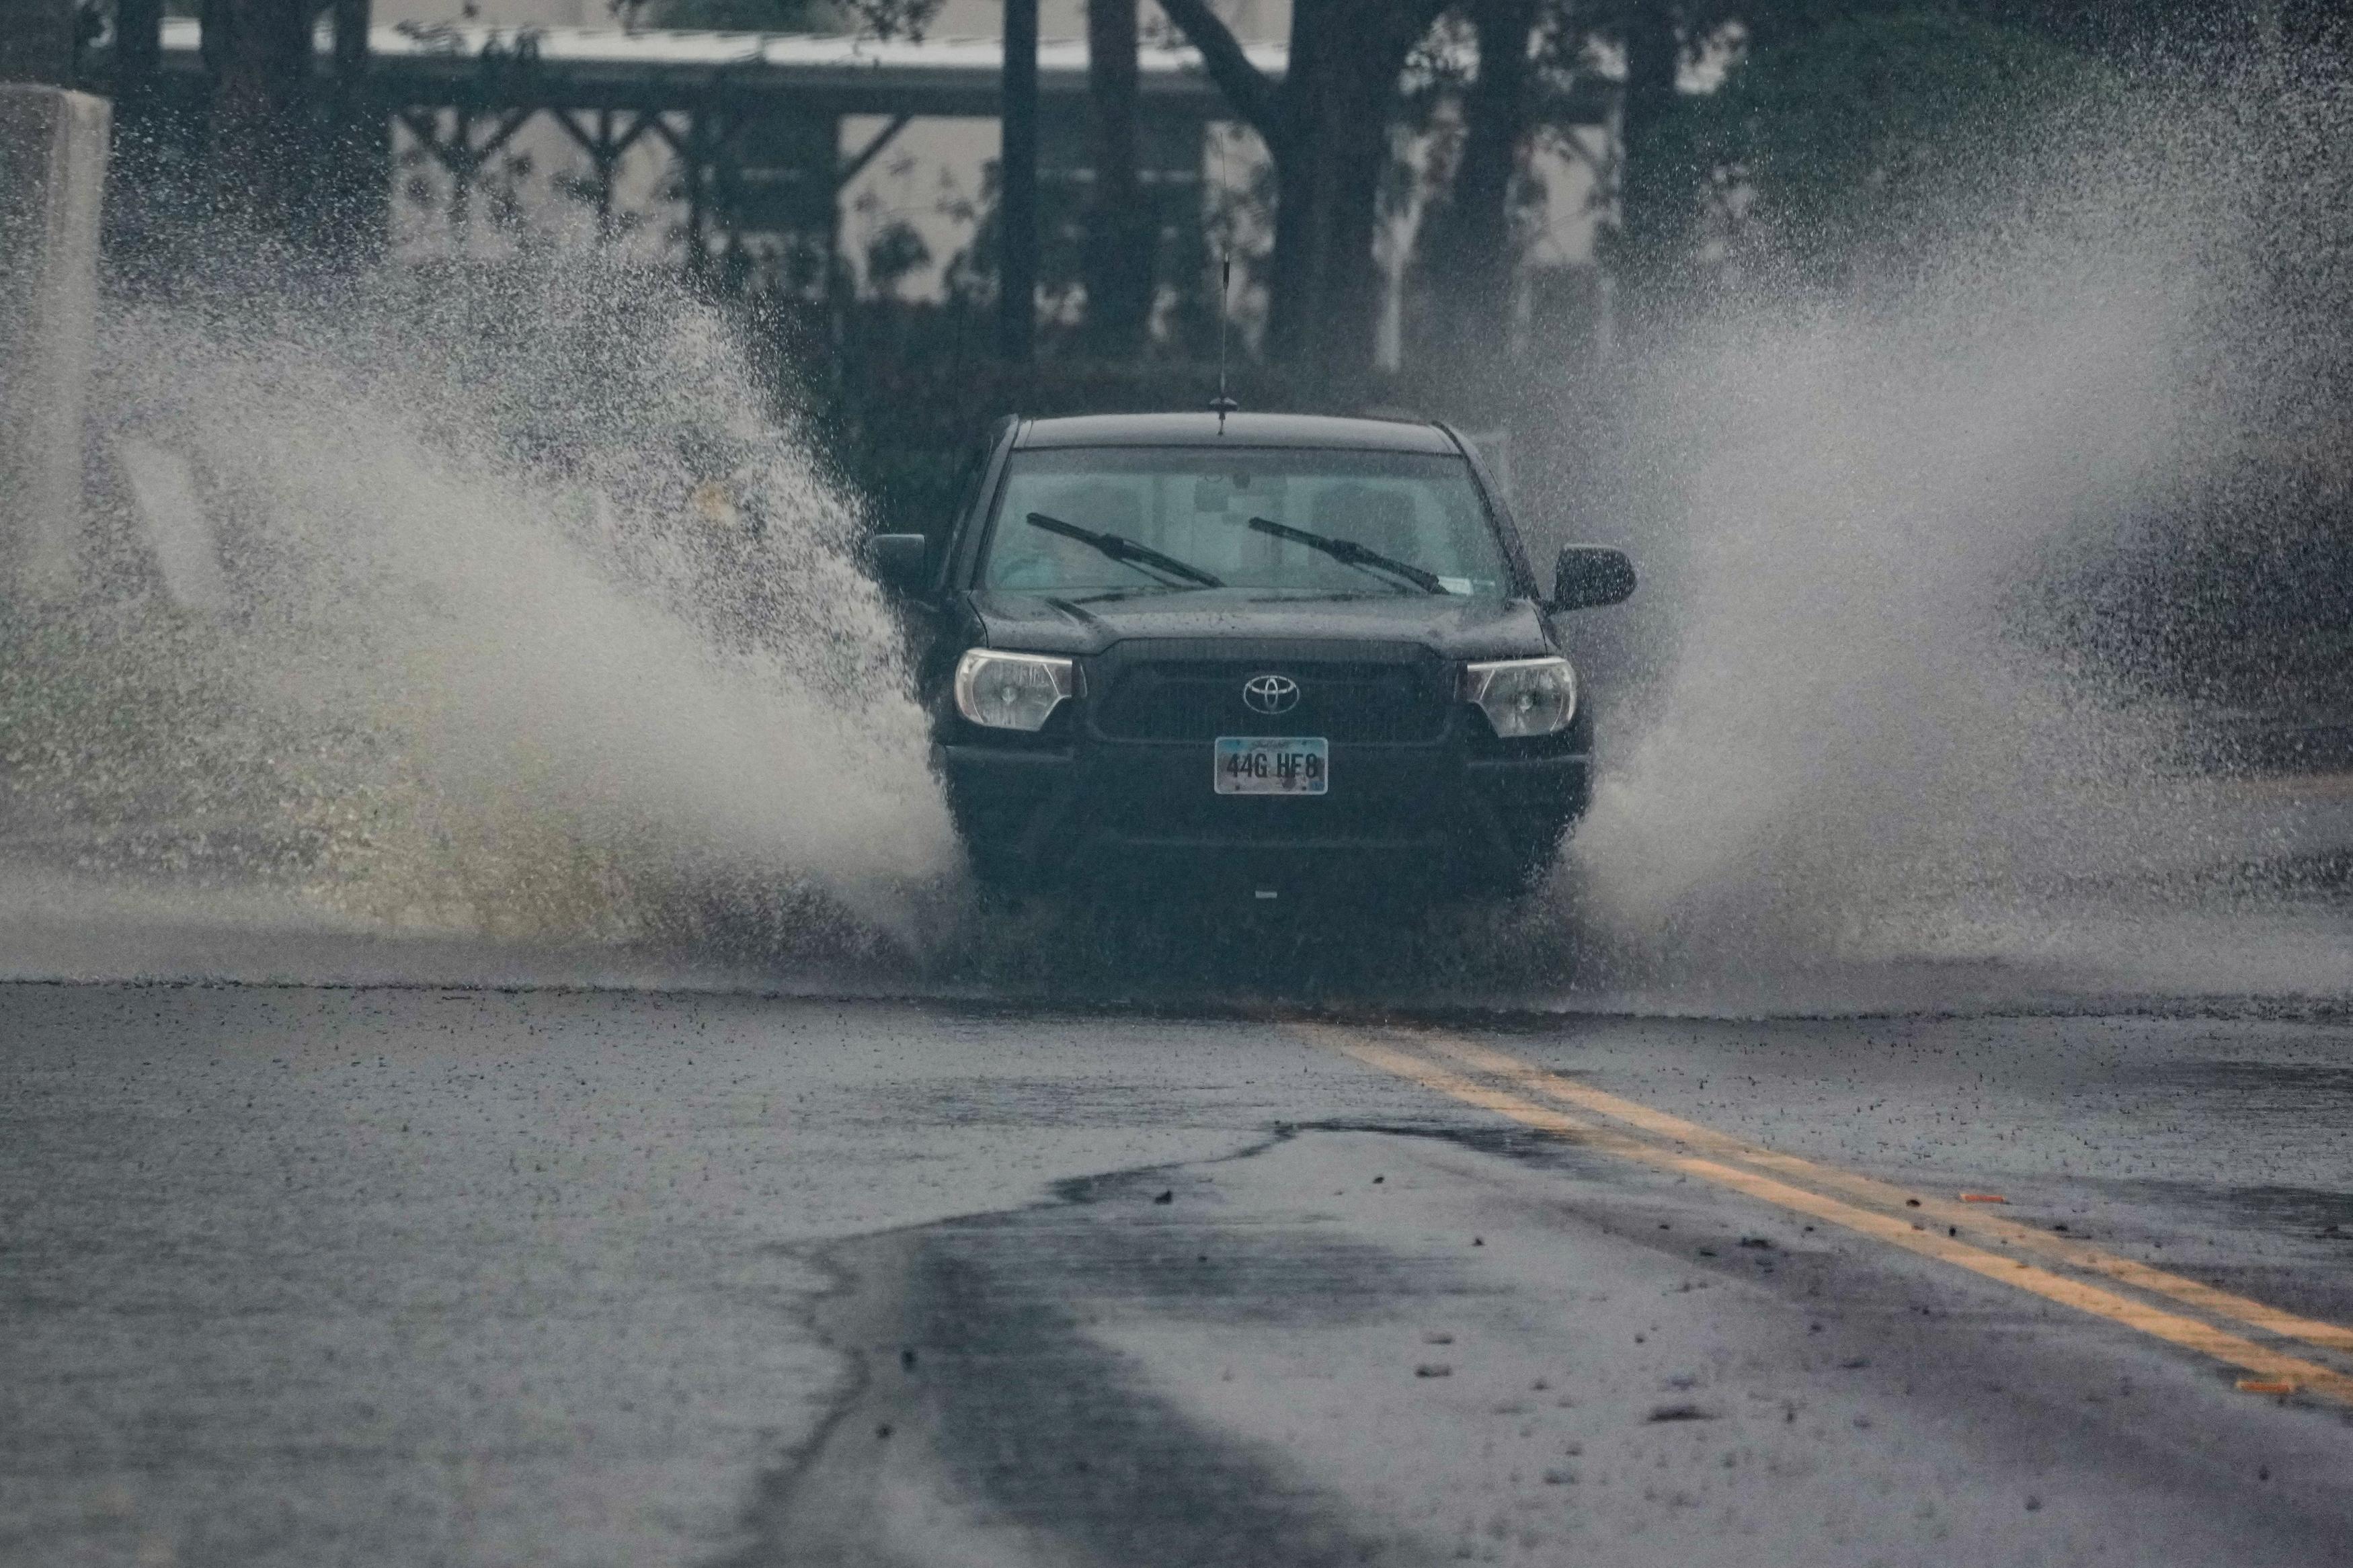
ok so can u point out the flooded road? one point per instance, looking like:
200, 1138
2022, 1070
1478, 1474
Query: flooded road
300, 1276
1916, 1125
756, 1192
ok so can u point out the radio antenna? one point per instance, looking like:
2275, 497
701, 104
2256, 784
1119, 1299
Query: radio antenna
1223, 404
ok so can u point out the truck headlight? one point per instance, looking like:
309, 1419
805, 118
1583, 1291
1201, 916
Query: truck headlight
1523, 697
1012, 691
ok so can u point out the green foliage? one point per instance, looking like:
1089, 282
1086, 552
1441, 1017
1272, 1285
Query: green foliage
1869, 142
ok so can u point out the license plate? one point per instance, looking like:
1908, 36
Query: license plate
1272, 764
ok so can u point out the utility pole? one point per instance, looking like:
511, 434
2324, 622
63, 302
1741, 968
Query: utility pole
1016, 202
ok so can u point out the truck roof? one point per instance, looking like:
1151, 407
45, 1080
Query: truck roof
1200, 429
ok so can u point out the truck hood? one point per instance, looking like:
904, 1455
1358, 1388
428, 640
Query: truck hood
1089, 623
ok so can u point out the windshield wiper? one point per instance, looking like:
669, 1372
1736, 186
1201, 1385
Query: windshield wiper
1121, 548
1349, 552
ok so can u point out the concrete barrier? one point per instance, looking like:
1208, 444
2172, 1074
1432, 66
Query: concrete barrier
52, 175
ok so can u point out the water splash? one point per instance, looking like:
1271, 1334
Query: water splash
1876, 732
531, 618
499, 601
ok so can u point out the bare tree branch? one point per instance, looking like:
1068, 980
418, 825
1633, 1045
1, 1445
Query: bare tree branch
1245, 88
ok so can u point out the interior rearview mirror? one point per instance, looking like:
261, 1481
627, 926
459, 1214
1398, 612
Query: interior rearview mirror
1590, 574
899, 559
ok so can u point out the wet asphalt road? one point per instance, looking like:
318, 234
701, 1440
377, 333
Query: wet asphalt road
314, 1276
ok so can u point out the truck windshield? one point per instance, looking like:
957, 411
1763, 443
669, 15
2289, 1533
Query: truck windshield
1210, 509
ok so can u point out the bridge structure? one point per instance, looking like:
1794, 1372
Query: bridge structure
751, 124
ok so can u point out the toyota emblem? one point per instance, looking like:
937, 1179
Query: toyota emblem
1271, 694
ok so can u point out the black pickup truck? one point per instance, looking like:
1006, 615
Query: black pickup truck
1255, 652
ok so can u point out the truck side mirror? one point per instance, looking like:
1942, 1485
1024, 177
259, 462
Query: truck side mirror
899, 560
1590, 574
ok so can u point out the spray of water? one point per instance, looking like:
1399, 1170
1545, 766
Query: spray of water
1873, 729
500, 601
496, 601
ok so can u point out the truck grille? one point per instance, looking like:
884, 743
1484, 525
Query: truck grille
1351, 702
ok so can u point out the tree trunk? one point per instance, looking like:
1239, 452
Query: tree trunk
1326, 126
261, 128
1645, 190
1341, 93
1471, 256
1122, 229
1017, 205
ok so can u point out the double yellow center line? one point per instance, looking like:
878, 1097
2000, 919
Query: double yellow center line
2018, 1255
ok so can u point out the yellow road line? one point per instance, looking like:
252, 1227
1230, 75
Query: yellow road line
2191, 1333
1974, 1218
